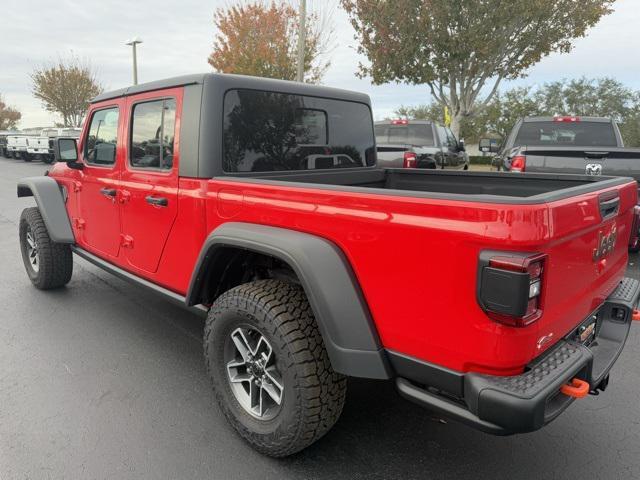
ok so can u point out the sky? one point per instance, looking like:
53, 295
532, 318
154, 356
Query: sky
178, 37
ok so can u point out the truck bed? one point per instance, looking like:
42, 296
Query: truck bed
491, 187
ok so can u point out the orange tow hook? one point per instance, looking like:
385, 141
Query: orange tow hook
576, 389
636, 315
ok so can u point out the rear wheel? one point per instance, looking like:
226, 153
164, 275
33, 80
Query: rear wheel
48, 264
270, 370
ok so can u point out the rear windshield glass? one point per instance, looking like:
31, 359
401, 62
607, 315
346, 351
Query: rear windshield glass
268, 131
418, 135
561, 134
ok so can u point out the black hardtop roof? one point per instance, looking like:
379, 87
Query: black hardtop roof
229, 81
582, 119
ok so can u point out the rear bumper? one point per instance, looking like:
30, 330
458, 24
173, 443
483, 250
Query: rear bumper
527, 402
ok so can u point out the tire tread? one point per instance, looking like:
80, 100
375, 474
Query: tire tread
56, 259
319, 389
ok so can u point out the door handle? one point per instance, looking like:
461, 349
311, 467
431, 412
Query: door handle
108, 192
157, 201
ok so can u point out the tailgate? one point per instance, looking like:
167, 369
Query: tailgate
612, 161
587, 255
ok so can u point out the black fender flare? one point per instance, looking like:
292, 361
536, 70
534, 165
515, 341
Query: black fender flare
50, 201
335, 296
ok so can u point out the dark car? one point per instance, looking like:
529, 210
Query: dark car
406, 143
569, 144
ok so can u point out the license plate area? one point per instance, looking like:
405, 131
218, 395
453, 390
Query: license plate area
588, 330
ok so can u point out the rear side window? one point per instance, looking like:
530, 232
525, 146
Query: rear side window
566, 134
102, 138
419, 135
268, 131
152, 134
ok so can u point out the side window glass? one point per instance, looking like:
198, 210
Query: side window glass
452, 138
444, 138
102, 138
152, 134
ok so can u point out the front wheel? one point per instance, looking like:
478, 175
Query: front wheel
270, 370
48, 264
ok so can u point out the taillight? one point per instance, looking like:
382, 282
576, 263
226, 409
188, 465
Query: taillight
566, 119
410, 160
400, 121
518, 163
511, 286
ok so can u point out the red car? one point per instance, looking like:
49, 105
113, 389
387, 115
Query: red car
492, 299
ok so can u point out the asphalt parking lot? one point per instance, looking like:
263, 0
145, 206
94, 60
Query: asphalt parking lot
104, 380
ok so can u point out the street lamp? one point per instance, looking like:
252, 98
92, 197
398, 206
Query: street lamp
133, 42
302, 32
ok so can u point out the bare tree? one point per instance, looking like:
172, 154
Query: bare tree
66, 87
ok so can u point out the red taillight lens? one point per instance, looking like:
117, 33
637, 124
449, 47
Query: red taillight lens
518, 163
566, 119
511, 288
400, 121
410, 160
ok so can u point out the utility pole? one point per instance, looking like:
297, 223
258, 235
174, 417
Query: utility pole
133, 42
302, 33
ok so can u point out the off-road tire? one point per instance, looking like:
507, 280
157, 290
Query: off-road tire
55, 259
314, 393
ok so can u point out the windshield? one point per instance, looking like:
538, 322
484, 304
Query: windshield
567, 134
419, 135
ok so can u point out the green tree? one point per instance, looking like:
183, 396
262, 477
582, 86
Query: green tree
462, 48
630, 123
498, 116
604, 97
9, 116
262, 40
65, 88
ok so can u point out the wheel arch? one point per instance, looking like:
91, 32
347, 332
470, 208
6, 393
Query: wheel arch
326, 276
50, 201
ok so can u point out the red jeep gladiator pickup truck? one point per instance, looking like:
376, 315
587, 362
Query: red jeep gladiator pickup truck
491, 299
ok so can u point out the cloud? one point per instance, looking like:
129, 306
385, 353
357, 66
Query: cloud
178, 37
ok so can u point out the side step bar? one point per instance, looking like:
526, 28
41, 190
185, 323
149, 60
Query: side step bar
129, 277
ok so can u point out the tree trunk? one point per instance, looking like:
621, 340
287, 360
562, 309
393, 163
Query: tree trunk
456, 119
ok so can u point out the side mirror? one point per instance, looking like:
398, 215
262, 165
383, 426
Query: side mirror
488, 145
461, 146
66, 150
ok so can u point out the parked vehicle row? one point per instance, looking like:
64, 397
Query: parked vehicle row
496, 300
34, 145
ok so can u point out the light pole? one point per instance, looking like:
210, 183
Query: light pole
302, 32
133, 42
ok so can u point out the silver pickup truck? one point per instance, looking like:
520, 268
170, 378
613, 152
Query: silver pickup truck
406, 143
569, 144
